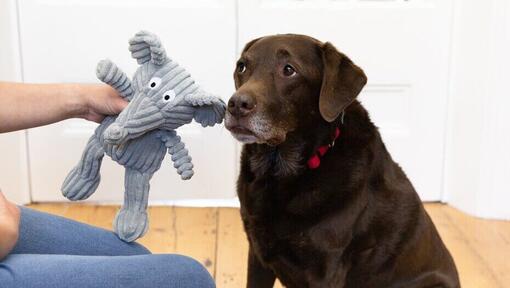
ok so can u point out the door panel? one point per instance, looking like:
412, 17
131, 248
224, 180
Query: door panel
403, 48
63, 40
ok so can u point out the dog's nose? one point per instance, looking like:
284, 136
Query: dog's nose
241, 105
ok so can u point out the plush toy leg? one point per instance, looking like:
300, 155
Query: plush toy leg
131, 221
83, 180
180, 156
112, 75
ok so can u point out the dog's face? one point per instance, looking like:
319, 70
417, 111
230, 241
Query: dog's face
289, 82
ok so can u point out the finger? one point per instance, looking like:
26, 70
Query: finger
94, 117
118, 105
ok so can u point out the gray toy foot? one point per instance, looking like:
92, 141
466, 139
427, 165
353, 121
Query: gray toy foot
186, 175
130, 225
77, 187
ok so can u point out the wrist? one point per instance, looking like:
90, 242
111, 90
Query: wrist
76, 100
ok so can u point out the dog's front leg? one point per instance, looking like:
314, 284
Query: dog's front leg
258, 275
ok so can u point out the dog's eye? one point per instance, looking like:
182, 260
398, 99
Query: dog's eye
241, 67
169, 95
154, 82
288, 71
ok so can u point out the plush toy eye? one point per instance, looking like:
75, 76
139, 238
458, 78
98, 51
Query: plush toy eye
289, 71
169, 95
241, 67
154, 82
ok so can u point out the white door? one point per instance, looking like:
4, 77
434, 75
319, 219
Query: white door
403, 47
14, 182
62, 40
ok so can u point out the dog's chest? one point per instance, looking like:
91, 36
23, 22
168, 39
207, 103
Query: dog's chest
296, 257
284, 235
277, 238
281, 250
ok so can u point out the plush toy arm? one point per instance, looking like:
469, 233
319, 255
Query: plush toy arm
209, 109
110, 74
180, 157
83, 180
145, 46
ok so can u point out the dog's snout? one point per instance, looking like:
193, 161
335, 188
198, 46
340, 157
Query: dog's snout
241, 105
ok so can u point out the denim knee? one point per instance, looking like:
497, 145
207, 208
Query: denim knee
43, 233
144, 271
139, 249
195, 274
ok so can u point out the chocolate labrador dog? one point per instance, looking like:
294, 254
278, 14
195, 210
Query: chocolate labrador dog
322, 201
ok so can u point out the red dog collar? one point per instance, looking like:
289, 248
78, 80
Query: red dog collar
315, 161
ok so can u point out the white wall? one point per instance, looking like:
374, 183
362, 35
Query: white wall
477, 157
405, 56
477, 166
96, 30
14, 180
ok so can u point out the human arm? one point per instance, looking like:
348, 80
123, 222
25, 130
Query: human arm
9, 225
30, 105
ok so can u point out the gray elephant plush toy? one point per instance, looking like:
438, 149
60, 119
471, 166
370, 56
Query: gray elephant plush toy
162, 97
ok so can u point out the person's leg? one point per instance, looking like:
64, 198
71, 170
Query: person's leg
55, 271
42, 233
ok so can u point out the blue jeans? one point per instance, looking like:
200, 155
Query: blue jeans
54, 252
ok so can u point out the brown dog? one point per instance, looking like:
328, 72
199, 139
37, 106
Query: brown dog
343, 217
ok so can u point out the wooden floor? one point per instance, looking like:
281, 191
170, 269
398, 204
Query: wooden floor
214, 236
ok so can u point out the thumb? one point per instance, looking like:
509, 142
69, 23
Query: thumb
118, 105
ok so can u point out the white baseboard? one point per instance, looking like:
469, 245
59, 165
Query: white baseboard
220, 202
226, 202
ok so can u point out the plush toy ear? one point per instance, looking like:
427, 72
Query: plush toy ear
146, 46
209, 109
342, 81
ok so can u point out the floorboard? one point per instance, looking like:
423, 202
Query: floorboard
215, 237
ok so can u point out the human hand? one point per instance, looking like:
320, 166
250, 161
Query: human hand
9, 225
99, 101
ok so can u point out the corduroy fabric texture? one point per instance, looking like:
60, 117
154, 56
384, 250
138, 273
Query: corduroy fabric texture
162, 97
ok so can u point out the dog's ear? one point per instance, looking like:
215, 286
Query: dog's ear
342, 81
